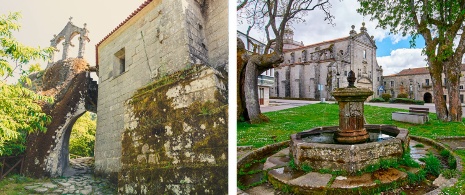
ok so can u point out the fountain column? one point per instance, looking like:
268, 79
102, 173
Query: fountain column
351, 121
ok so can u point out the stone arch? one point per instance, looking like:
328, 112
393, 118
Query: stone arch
75, 92
428, 98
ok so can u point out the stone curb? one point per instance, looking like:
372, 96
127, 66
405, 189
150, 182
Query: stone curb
443, 147
257, 154
269, 148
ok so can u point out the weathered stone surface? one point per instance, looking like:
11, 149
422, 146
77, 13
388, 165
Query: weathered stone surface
312, 180
350, 158
193, 158
161, 38
389, 175
74, 92
41, 190
49, 185
441, 181
410, 117
354, 181
279, 159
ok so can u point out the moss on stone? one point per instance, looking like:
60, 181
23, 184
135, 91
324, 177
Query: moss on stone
184, 146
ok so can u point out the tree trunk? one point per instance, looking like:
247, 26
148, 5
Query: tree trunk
438, 93
452, 72
251, 92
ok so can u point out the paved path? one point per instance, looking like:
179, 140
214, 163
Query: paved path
281, 104
77, 179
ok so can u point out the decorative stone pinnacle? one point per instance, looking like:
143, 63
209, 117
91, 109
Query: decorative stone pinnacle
351, 79
353, 27
70, 18
363, 24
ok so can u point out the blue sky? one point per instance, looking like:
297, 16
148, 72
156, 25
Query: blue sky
386, 46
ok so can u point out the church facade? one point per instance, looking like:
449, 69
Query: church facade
313, 71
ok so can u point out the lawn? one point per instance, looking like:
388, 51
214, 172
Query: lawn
286, 122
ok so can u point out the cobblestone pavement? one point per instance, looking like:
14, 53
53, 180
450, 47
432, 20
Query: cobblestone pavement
77, 179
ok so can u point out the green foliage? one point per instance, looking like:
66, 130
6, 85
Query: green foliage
386, 96
82, 137
406, 101
402, 95
377, 100
451, 161
450, 173
292, 164
432, 164
408, 161
306, 168
416, 178
419, 146
20, 112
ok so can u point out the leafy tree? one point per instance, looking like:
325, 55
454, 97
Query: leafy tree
272, 16
20, 112
440, 23
82, 138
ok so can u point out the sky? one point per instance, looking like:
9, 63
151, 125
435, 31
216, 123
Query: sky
393, 51
42, 19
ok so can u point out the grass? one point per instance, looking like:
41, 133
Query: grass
286, 122
14, 184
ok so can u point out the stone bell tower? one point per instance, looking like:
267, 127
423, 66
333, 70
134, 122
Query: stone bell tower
66, 35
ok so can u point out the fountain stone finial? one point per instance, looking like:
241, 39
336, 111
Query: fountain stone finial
351, 120
351, 79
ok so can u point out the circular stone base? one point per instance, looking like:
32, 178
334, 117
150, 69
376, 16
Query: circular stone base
352, 136
348, 157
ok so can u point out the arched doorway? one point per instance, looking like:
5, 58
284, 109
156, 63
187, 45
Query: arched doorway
428, 98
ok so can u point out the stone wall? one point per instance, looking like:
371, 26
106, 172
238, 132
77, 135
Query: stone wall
161, 38
217, 33
323, 61
175, 137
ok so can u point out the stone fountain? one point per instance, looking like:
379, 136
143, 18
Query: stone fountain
344, 159
351, 146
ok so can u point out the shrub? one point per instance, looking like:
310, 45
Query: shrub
386, 96
377, 100
406, 101
402, 95
432, 164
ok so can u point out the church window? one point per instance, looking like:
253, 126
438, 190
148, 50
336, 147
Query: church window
304, 55
292, 58
120, 63
364, 54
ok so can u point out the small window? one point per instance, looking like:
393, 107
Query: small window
392, 83
364, 54
120, 61
461, 87
345, 72
445, 98
427, 81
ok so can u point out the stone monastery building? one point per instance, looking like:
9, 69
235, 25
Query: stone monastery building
313, 71
417, 84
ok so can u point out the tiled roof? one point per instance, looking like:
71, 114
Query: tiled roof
413, 71
121, 24
317, 44
417, 71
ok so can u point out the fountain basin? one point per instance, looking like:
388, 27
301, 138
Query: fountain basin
348, 157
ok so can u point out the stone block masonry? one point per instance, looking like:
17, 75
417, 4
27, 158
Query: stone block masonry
175, 140
159, 39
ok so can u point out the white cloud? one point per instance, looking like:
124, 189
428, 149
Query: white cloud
315, 29
401, 59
